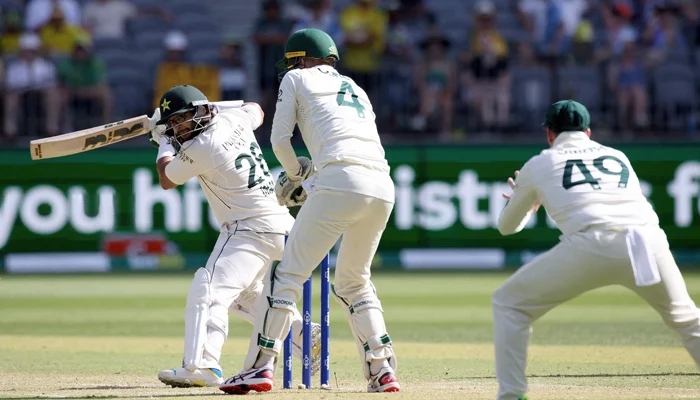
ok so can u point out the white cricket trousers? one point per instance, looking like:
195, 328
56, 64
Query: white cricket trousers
237, 265
325, 216
582, 262
344, 200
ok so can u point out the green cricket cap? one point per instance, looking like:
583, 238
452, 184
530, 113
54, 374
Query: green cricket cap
567, 115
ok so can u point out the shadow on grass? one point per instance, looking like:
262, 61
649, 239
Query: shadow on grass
109, 396
594, 375
187, 392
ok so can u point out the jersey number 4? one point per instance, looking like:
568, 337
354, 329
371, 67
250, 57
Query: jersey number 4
588, 178
345, 89
254, 160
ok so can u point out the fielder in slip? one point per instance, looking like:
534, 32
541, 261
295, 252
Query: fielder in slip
351, 195
215, 143
610, 236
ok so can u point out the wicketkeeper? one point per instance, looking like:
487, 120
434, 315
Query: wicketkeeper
351, 195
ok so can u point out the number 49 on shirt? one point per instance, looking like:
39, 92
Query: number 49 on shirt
588, 178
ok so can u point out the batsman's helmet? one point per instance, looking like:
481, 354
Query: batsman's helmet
178, 100
309, 42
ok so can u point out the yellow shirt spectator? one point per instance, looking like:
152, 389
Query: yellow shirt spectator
9, 43
9, 40
59, 40
364, 26
491, 41
204, 77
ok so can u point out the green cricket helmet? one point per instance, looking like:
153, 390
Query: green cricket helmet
309, 42
179, 100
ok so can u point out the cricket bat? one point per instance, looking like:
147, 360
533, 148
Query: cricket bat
89, 139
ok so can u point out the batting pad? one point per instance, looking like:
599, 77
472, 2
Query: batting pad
196, 318
367, 324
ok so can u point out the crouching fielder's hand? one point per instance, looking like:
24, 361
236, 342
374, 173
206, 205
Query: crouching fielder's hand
288, 190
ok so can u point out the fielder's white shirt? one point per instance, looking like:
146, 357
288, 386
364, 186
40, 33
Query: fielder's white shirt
228, 162
581, 184
338, 126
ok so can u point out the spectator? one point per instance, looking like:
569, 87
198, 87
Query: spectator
30, 81
666, 36
271, 33
582, 45
533, 17
59, 36
175, 69
11, 32
415, 13
321, 16
106, 19
39, 12
544, 22
618, 32
397, 70
435, 81
175, 44
572, 12
645, 18
85, 88
487, 74
232, 71
691, 13
296, 10
627, 78
364, 28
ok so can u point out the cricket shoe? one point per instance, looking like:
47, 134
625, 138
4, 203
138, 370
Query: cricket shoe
315, 348
257, 379
384, 381
184, 378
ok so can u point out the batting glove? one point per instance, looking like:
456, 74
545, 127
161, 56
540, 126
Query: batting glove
156, 131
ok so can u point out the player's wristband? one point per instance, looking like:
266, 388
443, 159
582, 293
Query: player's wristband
166, 149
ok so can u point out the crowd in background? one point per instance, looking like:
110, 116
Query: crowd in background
437, 70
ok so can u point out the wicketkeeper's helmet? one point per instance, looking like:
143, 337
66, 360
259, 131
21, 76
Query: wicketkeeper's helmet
309, 42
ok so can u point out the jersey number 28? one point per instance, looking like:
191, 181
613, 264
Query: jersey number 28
254, 160
588, 178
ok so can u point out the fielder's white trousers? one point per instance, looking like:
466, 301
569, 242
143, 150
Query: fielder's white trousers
325, 216
582, 262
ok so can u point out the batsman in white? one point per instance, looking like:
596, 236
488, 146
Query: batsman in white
610, 236
351, 195
215, 143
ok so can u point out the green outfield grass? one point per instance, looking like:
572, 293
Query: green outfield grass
107, 336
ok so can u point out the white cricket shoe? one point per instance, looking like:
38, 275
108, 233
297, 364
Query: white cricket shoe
184, 378
315, 348
257, 379
384, 381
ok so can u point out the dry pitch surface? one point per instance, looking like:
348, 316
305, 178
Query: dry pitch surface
106, 337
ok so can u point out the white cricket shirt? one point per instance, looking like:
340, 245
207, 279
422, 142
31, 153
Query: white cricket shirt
228, 162
337, 124
581, 184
